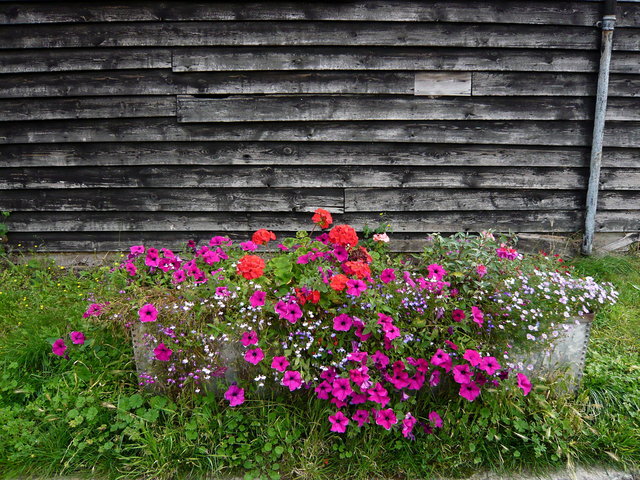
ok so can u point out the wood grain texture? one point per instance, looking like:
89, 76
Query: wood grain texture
301, 153
443, 83
531, 12
87, 107
83, 59
549, 84
566, 133
362, 108
305, 33
550, 178
168, 199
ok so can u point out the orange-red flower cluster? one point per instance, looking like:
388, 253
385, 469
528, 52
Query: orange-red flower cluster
338, 282
359, 269
251, 266
343, 235
263, 236
303, 296
322, 218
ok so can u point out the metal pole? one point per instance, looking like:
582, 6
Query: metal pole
607, 25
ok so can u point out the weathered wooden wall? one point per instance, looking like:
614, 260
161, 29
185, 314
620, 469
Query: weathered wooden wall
136, 121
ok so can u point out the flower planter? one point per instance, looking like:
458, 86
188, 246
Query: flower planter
565, 356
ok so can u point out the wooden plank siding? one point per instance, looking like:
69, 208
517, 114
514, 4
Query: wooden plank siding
139, 121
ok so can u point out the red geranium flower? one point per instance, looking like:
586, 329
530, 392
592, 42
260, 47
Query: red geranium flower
338, 282
263, 236
322, 218
343, 235
359, 269
251, 266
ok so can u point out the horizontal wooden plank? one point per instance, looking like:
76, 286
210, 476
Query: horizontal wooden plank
300, 153
304, 33
443, 83
87, 107
372, 58
548, 84
406, 200
565, 133
16, 61
362, 108
168, 199
401, 222
311, 177
166, 82
531, 12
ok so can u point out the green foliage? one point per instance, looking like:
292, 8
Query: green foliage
3, 231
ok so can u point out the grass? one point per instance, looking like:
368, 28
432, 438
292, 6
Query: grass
87, 415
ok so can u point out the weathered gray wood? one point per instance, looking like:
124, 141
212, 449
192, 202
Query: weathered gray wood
372, 58
620, 134
299, 153
531, 12
443, 83
310, 177
548, 84
85, 59
165, 82
412, 200
423, 34
168, 199
87, 107
402, 222
360, 108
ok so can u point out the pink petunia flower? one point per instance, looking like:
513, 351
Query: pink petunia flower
436, 271
342, 323
472, 357
249, 338
77, 337
136, 249
489, 365
148, 313
458, 315
59, 347
341, 388
179, 276
289, 311
386, 418
379, 394
441, 359
235, 395
339, 422
469, 391
408, 423
380, 359
361, 417
481, 270
162, 352
279, 363
355, 287
477, 314
434, 379
292, 379
387, 275
258, 299
323, 390
524, 383
254, 356
248, 246
435, 419
131, 269
94, 310
462, 374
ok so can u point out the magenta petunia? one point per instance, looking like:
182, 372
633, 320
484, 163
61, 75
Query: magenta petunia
458, 315
136, 249
391, 332
436, 271
341, 388
257, 299
249, 338
59, 347
380, 359
148, 313
162, 352
477, 314
472, 357
179, 276
489, 365
292, 379
235, 395
355, 287
249, 246
94, 310
323, 390
379, 394
131, 269
469, 391
77, 337
435, 419
254, 356
289, 311
342, 323
361, 417
339, 422
524, 383
408, 423
481, 270
441, 359
386, 418
388, 275
462, 373
279, 363
434, 379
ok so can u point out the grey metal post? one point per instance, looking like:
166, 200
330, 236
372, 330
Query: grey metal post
607, 25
